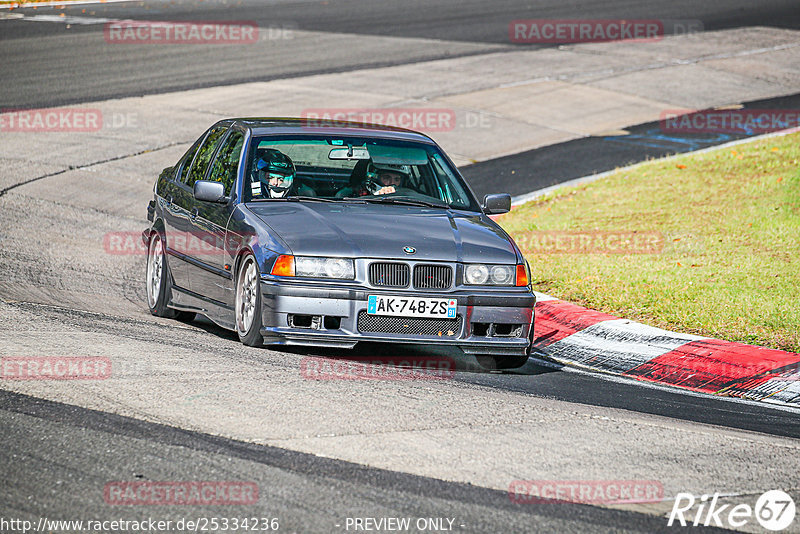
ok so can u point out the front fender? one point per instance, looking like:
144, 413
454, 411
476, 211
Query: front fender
247, 233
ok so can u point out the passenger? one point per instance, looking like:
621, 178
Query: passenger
378, 180
390, 180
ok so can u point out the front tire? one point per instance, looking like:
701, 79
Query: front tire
156, 278
248, 303
158, 283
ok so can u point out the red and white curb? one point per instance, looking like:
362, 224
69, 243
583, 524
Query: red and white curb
576, 336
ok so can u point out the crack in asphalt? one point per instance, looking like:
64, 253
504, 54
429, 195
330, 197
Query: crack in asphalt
92, 164
419, 429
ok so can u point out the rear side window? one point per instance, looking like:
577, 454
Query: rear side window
226, 164
203, 157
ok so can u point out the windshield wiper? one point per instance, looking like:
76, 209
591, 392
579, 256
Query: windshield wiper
406, 201
295, 199
314, 199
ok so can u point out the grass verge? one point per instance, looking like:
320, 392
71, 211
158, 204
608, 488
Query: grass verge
727, 260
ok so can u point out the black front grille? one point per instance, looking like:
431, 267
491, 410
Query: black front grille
382, 324
432, 276
388, 274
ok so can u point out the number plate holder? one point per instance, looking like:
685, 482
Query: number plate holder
430, 308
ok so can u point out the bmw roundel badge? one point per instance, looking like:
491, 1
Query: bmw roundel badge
409, 250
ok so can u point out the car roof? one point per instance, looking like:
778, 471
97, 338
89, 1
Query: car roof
292, 125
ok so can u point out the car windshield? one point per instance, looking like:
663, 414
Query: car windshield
353, 170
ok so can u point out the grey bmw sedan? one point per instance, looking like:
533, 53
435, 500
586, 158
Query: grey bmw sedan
297, 232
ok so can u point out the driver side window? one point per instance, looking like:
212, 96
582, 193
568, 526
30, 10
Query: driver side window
226, 164
186, 162
203, 157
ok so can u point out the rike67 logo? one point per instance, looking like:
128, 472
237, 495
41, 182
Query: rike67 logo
774, 510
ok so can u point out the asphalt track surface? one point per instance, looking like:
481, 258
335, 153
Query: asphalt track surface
304, 491
48, 64
57, 455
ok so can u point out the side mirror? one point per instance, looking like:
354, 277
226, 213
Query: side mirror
497, 204
208, 191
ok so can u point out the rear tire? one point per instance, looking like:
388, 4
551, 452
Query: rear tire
248, 303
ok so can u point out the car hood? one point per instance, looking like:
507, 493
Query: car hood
360, 230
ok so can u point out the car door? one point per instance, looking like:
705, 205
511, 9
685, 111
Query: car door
208, 277
175, 212
184, 204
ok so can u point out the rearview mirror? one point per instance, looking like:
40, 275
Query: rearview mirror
348, 153
497, 204
208, 191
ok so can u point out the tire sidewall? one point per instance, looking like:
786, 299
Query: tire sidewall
160, 309
253, 335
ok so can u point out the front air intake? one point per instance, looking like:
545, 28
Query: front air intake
388, 274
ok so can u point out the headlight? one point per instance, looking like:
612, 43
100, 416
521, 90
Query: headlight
500, 274
312, 267
478, 274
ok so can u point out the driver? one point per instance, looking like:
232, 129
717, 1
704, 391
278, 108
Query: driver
275, 170
276, 173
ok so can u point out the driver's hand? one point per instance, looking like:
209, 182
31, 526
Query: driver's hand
385, 190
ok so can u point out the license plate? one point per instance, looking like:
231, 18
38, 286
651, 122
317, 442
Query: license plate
412, 307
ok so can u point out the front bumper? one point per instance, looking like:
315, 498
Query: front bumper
490, 322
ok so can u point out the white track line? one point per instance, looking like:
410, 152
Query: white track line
17, 5
533, 195
68, 19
